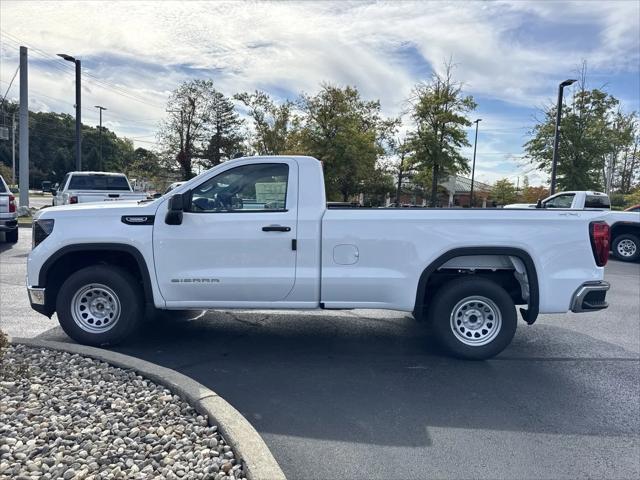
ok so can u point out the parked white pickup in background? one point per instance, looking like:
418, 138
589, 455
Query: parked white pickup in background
90, 187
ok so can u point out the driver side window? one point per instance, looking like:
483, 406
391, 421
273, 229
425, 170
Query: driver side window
561, 201
250, 188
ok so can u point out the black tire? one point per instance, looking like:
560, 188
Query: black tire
127, 292
458, 296
624, 251
11, 236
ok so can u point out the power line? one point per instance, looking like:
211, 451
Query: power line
61, 66
88, 110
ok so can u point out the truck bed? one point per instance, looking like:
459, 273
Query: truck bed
394, 245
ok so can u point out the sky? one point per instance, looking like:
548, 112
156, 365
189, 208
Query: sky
509, 55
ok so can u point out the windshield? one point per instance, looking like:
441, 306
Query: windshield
99, 182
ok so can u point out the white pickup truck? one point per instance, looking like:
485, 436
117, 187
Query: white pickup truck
625, 226
256, 233
8, 216
88, 187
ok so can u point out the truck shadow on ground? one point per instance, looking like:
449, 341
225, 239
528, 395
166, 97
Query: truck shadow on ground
384, 381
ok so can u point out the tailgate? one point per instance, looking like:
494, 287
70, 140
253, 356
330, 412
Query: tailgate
106, 196
4, 203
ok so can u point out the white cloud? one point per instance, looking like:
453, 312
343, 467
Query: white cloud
147, 49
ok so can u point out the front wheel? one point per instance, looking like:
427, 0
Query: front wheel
473, 318
100, 305
626, 247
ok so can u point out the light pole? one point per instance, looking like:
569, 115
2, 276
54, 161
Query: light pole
100, 134
69, 58
473, 165
556, 140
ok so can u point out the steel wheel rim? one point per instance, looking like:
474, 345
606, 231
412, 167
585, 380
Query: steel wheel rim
95, 308
627, 248
476, 320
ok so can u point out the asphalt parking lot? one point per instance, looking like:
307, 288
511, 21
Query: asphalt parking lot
366, 394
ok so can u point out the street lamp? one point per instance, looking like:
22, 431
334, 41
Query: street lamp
473, 166
100, 133
69, 58
556, 140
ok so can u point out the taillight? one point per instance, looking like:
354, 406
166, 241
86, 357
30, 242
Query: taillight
73, 199
599, 233
12, 204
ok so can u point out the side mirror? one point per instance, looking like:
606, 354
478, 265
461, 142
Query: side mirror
176, 207
539, 204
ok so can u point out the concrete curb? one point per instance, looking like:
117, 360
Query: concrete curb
257, 459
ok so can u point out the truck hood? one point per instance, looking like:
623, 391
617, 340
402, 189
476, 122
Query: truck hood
100, 209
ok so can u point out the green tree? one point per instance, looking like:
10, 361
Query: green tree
147, 166
344, 132
52, 148
186, 128
533, 194
504, 192
625, 163
273, 124
594, 137
439, 110
226, 134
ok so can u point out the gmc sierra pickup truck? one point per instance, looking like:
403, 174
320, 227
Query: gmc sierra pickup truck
256, 233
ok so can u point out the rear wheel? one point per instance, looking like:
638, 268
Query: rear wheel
100, 305
473, 318
11, 236
626, 247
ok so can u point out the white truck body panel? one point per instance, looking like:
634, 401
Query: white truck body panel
345, 258
395, 246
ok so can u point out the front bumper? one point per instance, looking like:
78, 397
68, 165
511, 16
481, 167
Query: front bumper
590, 297
36, 295
37, 299
8, 225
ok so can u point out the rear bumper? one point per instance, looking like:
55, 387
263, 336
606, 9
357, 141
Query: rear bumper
590, 297
6, 225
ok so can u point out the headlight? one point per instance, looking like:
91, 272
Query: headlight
41, 230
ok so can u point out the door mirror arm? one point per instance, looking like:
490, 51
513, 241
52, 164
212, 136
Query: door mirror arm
175, 209
539, 204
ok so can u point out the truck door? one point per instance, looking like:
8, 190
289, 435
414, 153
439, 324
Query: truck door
235, 243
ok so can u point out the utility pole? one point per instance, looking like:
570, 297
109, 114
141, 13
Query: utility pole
24, 129
13, 147
75, 61
556, 140
473, 167
100, 134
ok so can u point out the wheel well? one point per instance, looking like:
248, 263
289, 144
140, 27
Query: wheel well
510, 268
618, 229
68, 261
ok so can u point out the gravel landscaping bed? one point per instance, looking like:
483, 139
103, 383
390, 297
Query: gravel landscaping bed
64, 416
